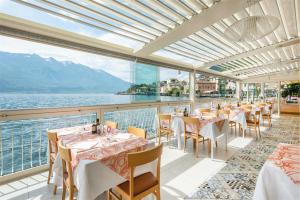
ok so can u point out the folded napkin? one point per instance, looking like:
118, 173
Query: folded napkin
122, 136
82, 145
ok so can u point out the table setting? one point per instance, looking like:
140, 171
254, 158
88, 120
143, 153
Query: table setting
99, 160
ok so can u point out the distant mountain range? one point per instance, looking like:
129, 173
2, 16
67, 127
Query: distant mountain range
32, 73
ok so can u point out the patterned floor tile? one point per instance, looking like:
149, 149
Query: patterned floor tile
238, 178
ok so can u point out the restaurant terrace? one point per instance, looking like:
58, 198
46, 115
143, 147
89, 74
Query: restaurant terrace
149, 99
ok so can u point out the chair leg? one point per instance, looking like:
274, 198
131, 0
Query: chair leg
184, 144
54, 189
235, 129
71, 194
50, 172
209, 146
256, 133
157, 193
63, 196
197, 148
159, 138
109, 195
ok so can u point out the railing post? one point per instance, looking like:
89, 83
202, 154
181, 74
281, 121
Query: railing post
278, 97
192, 90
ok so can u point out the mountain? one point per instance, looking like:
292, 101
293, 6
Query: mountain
32, 73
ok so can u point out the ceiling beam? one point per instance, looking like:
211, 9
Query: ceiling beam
280, 63
280, 76
27, 30
199, 21
253, 52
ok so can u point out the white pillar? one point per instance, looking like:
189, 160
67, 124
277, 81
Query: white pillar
247, 92
192, 90
262, 89
278, 97
238, 90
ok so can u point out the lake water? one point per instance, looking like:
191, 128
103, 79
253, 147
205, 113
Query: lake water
19, 101
23, 143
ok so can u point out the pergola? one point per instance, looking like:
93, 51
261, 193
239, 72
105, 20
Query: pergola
181, 34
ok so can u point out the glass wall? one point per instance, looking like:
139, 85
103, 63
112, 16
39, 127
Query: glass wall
35, 75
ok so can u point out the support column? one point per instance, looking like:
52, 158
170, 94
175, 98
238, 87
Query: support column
192, 90
278, 97
238, 90
247, 92
262, 89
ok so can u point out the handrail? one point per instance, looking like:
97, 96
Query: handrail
19, 114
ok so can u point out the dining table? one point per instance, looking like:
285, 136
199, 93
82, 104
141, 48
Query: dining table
211, 127
279, 178
99, 161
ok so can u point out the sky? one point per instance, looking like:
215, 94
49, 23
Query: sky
116, 67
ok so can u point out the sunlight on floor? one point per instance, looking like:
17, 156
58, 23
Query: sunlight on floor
188, 180
240, 142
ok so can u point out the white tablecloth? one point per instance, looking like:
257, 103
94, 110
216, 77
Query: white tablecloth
210, 131
279, 178
239, 118
273, 184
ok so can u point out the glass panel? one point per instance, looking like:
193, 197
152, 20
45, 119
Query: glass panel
24, 143
141, 118
172, 109
145, 81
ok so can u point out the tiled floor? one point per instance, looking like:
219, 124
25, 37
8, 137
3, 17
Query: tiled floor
181, 173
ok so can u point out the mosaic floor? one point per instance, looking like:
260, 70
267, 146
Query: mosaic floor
238, 178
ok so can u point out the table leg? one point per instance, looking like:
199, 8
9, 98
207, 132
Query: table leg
212, 150
179, 140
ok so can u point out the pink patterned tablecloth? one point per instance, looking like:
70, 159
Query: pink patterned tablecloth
287, 158
111, 149
99, 162
279, 177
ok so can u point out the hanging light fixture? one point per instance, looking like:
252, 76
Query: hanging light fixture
254, 27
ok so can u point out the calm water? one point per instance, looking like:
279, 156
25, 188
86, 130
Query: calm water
19, 101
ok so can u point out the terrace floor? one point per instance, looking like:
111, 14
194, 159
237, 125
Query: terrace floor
185, 177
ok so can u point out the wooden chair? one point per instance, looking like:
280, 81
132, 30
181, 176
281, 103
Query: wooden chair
268, 116
140, 186
204, 110
139, 132
53, 150
111, 124
68, 182
254, 123
164, 129
193, 134
231, 123
227, 107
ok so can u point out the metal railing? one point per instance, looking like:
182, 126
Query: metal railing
23, 133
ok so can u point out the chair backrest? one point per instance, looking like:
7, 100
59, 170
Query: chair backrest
191, 124
139, 132
248, 107
164, 118
256, 117
204, 110
227, 106
111, 124
52, 140
66, 158
141, 158
225, 112
270, 109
